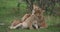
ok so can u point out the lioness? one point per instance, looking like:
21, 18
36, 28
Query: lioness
39, 13
28, 23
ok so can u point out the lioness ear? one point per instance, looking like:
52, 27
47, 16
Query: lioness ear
35, 6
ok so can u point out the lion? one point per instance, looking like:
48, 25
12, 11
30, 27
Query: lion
16, 22
29, 22
32, 20
27, 16
39, 13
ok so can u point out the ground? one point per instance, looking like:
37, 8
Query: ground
8, 12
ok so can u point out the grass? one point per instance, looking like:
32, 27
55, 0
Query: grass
8, 12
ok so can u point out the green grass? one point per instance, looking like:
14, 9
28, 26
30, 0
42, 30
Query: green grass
8, 12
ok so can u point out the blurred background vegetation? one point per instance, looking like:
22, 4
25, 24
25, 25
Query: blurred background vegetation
12, 9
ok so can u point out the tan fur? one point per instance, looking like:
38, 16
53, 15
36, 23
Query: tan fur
39, 13
14, 23
25, 17
32, 20
27, 22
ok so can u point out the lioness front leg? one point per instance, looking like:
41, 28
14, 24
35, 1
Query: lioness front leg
30, 26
